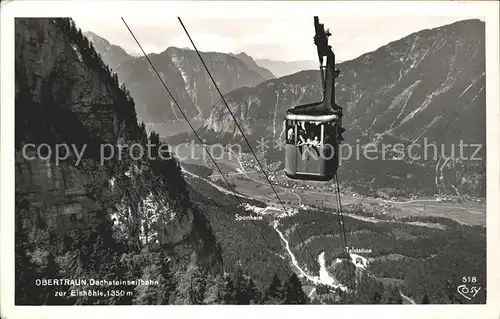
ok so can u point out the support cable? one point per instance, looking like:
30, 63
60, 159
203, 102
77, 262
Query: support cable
245, 138
202, 143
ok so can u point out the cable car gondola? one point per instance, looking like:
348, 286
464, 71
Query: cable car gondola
314, 131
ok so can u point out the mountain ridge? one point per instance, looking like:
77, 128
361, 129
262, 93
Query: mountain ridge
427, 85
284, 68
265, 73
183, 74
350, 72
113, 55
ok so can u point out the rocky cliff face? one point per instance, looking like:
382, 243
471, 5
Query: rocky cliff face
428, 85
65, 95
185, 77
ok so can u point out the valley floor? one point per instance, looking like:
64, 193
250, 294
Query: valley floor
254, 185
413, 241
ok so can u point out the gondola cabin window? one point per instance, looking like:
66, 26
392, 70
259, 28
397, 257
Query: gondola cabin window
290, 132
311, 148
309, 133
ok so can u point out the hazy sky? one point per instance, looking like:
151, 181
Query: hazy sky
284, 38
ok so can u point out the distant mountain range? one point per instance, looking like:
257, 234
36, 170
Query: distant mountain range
184, 75
281, 68
192, 86
430, 84
427, 85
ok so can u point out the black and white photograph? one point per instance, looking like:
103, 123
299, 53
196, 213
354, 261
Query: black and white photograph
288, 158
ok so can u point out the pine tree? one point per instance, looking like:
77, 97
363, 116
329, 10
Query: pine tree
425, 300
395, 296
25, 275
376, 298
162, 293
240, 287
228, 294
146, 294
214, 290
252, 291
274, 293
369, 290
192, 284
51, 270
199, 285
294, 294
167, 278
26, 271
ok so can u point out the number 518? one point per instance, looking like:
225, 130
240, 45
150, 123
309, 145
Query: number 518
469, 279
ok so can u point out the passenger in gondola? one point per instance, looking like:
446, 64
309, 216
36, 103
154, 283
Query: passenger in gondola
303, 125
301, 143
314, 144
290, 134
301, 132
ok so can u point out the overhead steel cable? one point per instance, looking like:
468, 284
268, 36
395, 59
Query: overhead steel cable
245, 138
339, 212
285, 269
340, 217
